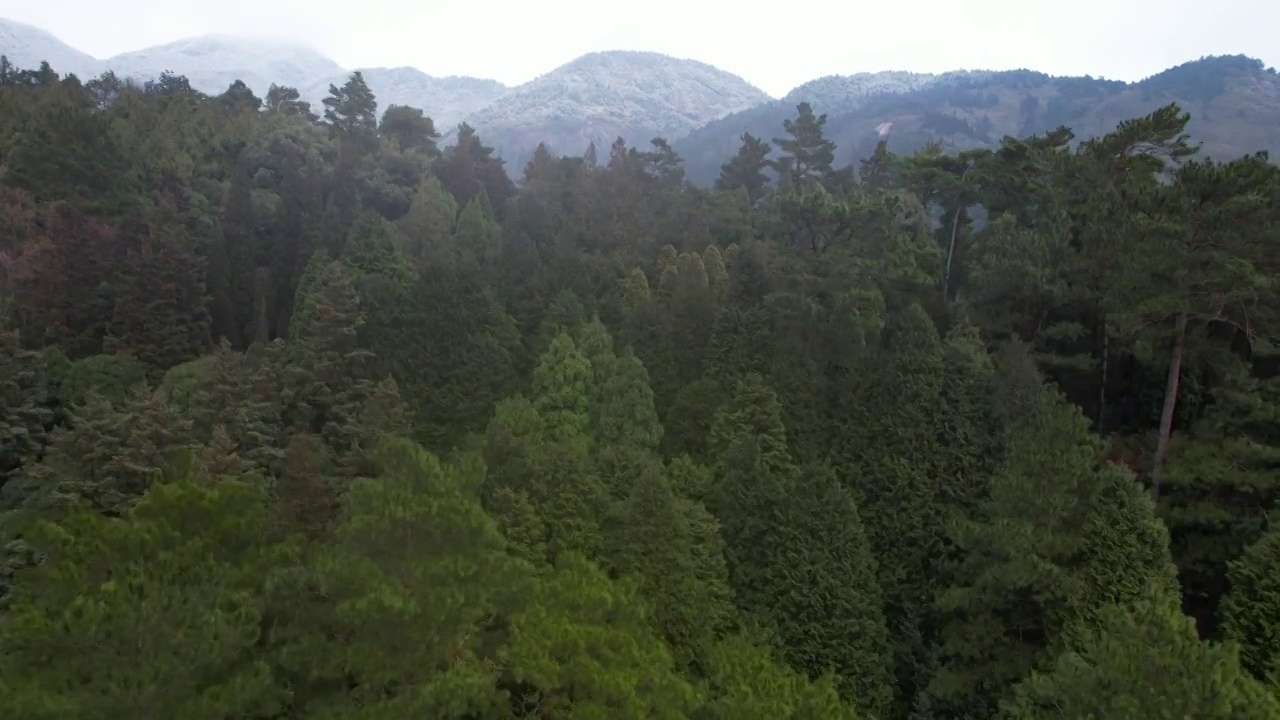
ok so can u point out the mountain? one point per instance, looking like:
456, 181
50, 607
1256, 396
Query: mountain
1234, 103
27, 46
213, 62
604, 95
446, 100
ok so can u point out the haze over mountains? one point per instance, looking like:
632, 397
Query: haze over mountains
703, 111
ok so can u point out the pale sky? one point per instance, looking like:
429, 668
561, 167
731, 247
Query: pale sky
776, 47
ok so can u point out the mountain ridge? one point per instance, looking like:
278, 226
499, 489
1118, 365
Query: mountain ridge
633, 94
1234, 103
703, 110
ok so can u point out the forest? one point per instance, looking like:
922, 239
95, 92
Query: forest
305, 415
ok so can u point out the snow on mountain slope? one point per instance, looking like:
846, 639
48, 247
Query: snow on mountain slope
446, 100
843, 91
600, 96
213, 62
26, 46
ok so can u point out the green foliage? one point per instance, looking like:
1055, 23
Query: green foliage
155, 612
561, 390
111, 376
673, 546
1143, 662
808, 154
1041, 553
808, 445
23, 393
584, 646
745, 682
746, 170
1251, 610
411, 579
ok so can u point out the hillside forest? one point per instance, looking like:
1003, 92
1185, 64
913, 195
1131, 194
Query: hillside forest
303, 415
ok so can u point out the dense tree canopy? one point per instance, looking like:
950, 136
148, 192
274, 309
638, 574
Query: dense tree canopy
303, 415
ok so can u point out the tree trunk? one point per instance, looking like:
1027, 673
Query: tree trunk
1170, 403
951, 250
1102, 392
261, 288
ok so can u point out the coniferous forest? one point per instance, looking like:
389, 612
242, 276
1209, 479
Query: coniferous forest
305, 415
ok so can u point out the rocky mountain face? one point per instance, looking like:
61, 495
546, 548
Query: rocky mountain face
1234, 103
602, 96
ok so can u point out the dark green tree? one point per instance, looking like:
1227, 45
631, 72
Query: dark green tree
746, 169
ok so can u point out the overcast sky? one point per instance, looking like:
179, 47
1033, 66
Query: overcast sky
776, 48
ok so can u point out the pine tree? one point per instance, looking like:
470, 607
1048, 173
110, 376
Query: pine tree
1138, 662
1040, 555
411, 581
745, 682
622, 409
171, 628
585, 646
808, 154
1200, 242
232, 258
746, 169
410, 129
285, 101
426, 230
1221, 484
686, 581
477, 234
24, 414
328, 368
1251, 610
561, 389
106, 457
160, 316
351, 110
785, 528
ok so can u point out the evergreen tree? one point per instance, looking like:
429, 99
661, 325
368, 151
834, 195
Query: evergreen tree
24, 413
781, 524
170, 628
409, 128
746, 169
807, 153
351, 110
1144, 661
1251, 610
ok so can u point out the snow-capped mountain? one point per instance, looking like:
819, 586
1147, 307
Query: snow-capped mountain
604, 95
703, 111
213, 62
26, 46
595, 98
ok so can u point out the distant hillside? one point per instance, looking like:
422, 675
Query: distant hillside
600, 96
213, 62
27, 46
447, 100
703, 111
1234, 102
